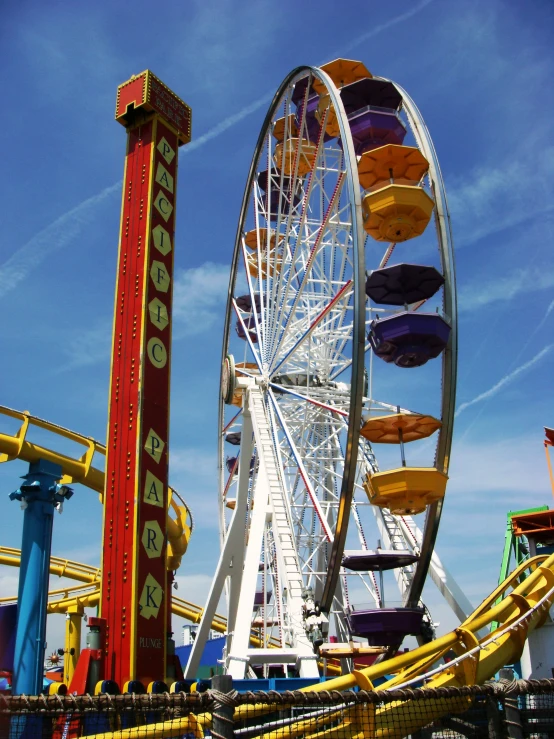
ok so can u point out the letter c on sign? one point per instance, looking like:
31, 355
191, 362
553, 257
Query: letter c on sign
157, 352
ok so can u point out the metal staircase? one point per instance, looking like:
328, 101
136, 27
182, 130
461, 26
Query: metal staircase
270, 505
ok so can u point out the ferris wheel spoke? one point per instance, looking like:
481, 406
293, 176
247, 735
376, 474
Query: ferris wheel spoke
343, 292
308, 399
247, 334
301, 468
232, 421
304, 278
280, 308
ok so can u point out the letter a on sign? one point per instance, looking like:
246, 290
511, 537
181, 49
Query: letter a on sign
153, 490
164, 178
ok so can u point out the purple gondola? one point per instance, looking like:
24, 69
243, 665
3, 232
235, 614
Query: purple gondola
313, 126
233, 438
277, 198
230, 464
373, 128
370, 92
250, 324
298, 96
244, 302
259, 597
409, 339
372, 107
402, 284
384, 627
378, 560
300, 90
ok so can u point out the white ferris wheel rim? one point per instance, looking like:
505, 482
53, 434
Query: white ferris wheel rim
358, 347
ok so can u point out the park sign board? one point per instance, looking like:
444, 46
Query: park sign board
135, 598
145, 93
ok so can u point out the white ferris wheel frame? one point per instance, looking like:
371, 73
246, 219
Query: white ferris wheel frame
282, 338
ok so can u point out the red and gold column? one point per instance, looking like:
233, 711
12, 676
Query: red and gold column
135, 595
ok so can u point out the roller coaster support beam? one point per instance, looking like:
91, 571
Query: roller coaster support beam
40, 496
136, 596
72, 650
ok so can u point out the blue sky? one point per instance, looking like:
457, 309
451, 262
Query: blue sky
482, 77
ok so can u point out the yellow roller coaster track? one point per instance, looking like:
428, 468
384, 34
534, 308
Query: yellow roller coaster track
81, 470
521, 609
88, 595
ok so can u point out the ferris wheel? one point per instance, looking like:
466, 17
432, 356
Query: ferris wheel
339, 350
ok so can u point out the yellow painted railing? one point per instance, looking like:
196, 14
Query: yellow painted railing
81, 470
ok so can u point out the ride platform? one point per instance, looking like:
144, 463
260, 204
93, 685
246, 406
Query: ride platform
538, 526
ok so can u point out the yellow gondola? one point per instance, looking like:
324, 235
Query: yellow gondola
406, 490
281, 123
393, 164
342, 72
396, 212
399, 427
306, 156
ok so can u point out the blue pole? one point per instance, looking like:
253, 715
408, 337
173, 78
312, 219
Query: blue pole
40, 496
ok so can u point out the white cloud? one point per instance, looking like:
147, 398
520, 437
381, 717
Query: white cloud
195, 588
522, 281
511, 466
199, 298
9, 584
491, 199
193, 473
87, 347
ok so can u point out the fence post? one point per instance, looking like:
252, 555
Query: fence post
224, 709
494, 715
512, 716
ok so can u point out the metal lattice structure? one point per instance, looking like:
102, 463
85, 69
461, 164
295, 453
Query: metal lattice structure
302, 378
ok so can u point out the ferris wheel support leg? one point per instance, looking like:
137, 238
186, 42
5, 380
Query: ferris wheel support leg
240, 640
231, 554
290, 574
444, 580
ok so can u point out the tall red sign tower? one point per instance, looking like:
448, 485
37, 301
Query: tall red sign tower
135, 600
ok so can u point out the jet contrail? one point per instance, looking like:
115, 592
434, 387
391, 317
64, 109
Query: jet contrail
506, 380
384, 26
67, 226
237, 117
515, 361
225, 124
55, 236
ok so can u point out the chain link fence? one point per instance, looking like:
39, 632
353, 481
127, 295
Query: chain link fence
520, 709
